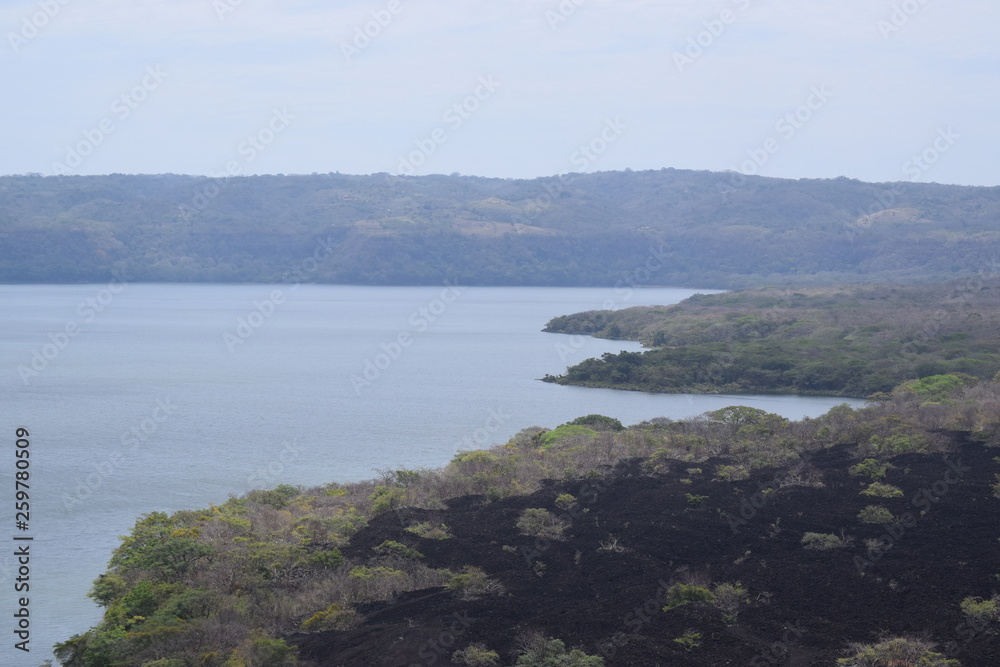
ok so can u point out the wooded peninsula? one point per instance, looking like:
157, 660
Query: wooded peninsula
843, 341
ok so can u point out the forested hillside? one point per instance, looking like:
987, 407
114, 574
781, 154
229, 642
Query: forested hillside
666, 227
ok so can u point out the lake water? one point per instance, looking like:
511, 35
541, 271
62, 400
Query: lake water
142, 397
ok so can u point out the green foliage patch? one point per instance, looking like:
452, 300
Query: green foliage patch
896, 651
539, 522
876, 514
879, 490
680, 594
821, 541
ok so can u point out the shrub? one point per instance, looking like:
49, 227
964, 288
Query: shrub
329, 560
472, 583
821, 541
538, 522
728, 598
386, 498
476, 655
278, 498
680, 594
880, 490
613, 545
262, 651
695, 501
391, 548
732, 473
334, 617
876, 514
566, 431
980, 612
896, 651
141, 600
598, 422
690, 640
346, 522
96, 647
369, 573
541, 652
895, 444
376, 583
107, 588
738, 414
565, 500
160, 543
874, 546
429, 531
267, 652
937, 387
870, 468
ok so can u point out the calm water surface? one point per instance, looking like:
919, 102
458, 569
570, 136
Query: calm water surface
169, 397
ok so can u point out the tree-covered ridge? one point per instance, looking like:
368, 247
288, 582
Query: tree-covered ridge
362, 574
845, 340
667, 227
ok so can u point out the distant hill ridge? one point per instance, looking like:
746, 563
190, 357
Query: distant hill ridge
666, 227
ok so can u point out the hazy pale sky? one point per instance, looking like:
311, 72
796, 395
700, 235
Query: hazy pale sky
880, 90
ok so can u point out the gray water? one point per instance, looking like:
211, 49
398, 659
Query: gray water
141, 398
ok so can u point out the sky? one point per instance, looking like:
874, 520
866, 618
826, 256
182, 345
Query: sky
878, 90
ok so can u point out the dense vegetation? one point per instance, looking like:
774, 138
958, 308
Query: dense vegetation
667, 227
846, 340
442, 564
